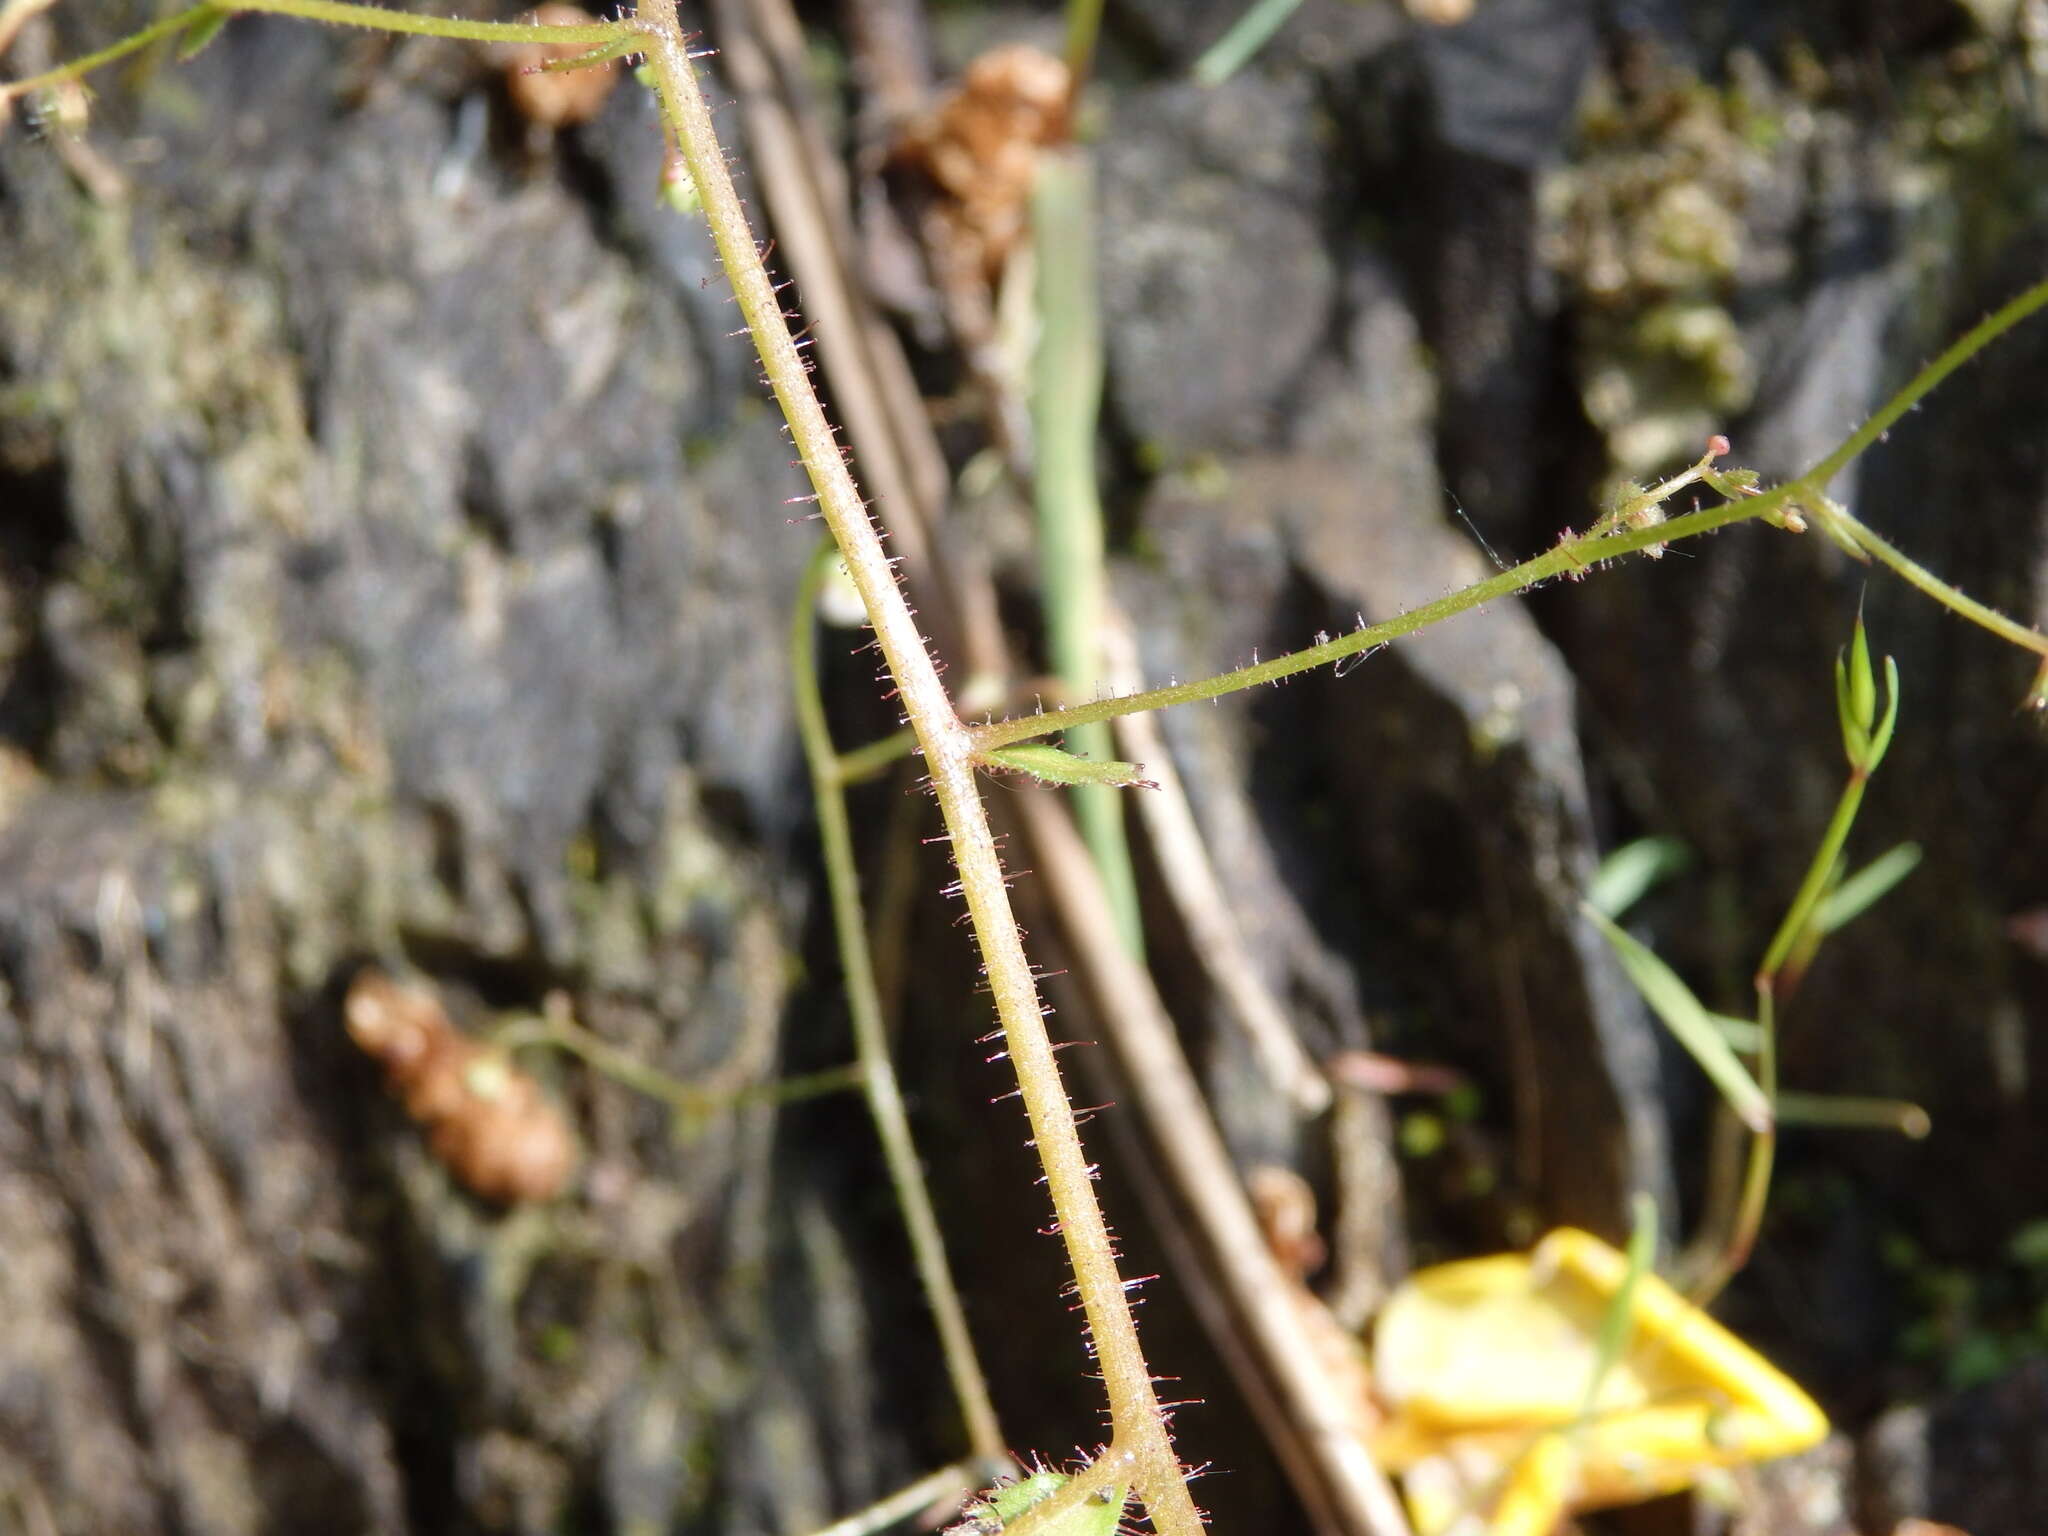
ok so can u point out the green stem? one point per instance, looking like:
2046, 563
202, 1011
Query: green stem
333, 11
133, 43
686, 1099
1084, 25
1066, 398
1811, 889
1572, 557
379, 19
1138, 1423
857, 765
1967, 346
1917, 575
885, 1097
1763, 1152
913, 1498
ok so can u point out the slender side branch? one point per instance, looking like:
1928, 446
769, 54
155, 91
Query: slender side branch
878, 1073
1914, 574
949, 750
1573, 556
1923, 383
379, 19
1565, 559
374, 17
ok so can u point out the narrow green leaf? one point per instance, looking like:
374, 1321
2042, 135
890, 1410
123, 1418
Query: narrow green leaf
1833, 528
1841, 1109
1632, 869
202, 29
1051, 765
604, 53
1617, 1321
1862, 890
1881, 739
1744, 1035
1689, 1022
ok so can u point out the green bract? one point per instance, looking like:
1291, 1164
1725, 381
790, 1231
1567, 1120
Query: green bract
1054, 765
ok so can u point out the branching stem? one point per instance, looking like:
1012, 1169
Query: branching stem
375, 17
1572, 556
1137, 1420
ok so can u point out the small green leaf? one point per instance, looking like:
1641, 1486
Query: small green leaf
1051, 765
1632, 869
1732, 483
202, 29
1862, 890
1097, 1515
1689, 1022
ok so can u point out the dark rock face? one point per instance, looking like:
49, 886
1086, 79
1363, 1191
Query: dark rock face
383, 578
394, 567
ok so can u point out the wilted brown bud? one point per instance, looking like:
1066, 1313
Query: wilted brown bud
483, 1118
980, 146
557, 98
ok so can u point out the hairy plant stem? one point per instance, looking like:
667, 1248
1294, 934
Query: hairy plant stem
878, 1073
1574, 555
1141, 1453
690, 1102
1142, 1442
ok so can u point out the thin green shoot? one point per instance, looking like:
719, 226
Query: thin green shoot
915, 1498
1617, 1322
1247, 35
692, 1103
199, 18
1066, 399
871, 1040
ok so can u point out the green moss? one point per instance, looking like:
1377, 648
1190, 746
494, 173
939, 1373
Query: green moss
1645, 227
